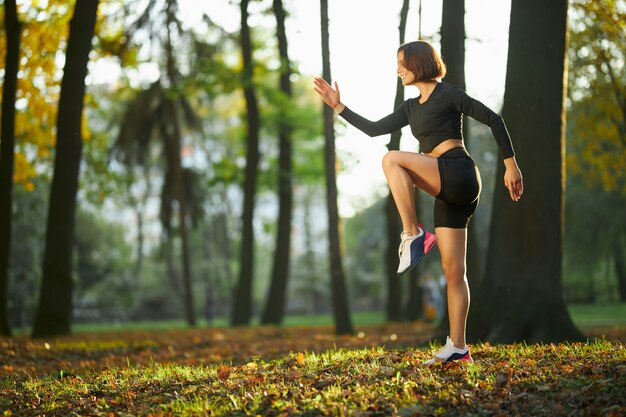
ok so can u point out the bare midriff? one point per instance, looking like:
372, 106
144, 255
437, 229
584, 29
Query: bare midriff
445, 146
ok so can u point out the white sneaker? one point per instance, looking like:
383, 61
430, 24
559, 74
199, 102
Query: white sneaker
413, 248
449, 353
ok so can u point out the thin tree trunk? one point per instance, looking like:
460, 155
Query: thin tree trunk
55, 305
275, 307
620, 270
242, 306
172, 272
7, 150
415, 304
343, 322
138, 206
520, 295
309, 259
394, 293
173, 137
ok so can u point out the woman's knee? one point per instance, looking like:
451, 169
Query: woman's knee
454, 272
390, 160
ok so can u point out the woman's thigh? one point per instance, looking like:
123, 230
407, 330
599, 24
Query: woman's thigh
423, 169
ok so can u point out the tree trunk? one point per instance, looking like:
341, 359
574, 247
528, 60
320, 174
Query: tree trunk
275, 307
343, 322
317, 301
170, 264
415, 304
7, 149
139, 214
394, 293
55, 305
242, 310
173, 148
520, 298
620, 270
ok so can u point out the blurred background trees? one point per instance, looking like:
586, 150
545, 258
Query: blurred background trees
158, 225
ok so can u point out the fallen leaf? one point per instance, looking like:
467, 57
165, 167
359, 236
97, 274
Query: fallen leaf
223, 372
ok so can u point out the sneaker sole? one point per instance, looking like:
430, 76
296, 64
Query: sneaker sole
466, 358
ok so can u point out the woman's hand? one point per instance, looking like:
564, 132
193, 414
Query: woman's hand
513, 179
330, 96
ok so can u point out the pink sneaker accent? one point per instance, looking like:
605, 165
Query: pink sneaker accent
429, 240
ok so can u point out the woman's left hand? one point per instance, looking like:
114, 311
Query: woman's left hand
513, 179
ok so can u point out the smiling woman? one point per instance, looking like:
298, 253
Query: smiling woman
443, 169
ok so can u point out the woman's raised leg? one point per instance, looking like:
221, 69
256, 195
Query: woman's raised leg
404, 170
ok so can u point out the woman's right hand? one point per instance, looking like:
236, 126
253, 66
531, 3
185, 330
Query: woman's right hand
330, 96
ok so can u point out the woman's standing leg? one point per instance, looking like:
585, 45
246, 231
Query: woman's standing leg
452, 247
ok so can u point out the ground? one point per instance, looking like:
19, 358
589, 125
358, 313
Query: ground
307, 371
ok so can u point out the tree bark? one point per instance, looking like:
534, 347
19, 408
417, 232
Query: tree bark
520, 298
275, 307
242, 310
343, 322
55, 306
394, 228
7, 149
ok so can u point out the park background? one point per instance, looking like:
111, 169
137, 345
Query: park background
186, 230
136, 256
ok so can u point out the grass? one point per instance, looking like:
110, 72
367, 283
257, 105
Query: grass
305, 370
538, 380
598, 314
582, 315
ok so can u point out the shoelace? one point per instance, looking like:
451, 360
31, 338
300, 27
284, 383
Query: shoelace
403, 237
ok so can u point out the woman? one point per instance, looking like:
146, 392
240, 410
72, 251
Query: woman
443, 169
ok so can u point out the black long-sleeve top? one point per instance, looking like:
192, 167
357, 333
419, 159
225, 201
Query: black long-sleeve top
439, 118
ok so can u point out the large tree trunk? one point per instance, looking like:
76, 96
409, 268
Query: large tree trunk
520, 295
394, 293
341, 309
275, 307
7, 149
55, 305
242, 307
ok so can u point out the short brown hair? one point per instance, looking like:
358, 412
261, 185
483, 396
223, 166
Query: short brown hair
423, 61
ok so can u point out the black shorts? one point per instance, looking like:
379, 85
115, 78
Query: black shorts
460, 189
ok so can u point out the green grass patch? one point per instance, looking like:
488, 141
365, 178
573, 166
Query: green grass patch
538, 380
359, 319
582, 315
598, 314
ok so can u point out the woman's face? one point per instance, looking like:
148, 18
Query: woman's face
405, 74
